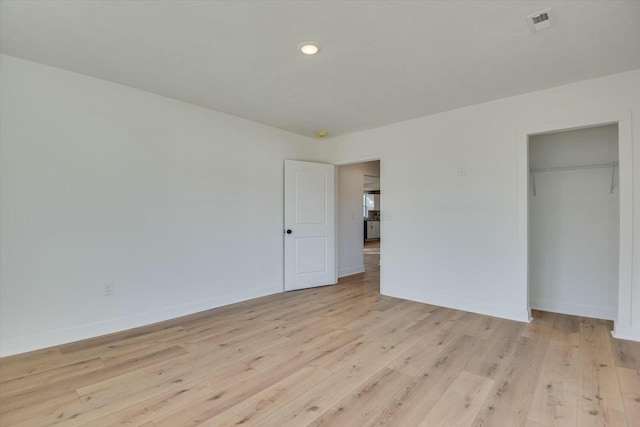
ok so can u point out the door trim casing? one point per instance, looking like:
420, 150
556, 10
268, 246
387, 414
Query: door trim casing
627, 323
372, 158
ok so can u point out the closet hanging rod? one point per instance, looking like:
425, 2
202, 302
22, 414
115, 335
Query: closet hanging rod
574, 167
613, 165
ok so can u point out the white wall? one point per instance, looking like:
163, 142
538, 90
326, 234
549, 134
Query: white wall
452, 239
574, 224
179, 206
350, 183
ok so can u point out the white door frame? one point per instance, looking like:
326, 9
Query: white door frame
371, 158
623, 324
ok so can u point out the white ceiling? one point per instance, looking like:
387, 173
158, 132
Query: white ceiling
380, 62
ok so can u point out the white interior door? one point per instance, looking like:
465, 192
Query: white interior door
309, 225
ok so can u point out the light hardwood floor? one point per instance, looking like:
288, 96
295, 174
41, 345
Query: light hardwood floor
341, 356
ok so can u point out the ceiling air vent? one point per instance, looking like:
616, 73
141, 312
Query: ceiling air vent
540, 21
540, 18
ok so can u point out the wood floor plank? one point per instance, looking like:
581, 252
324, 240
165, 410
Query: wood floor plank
415, 359
497, 350
309, 406
365, 401
510, 399
482, 326
171, 387
535, 424
113, 348
440, 322
540, 327
626, 353
219, 399
34, 410
386, 303
141, 402
402, 322
630, 388
338, 359
600, 401
255, 409
30, 382
141, 411
20, 365
555, 397
33, 399
460, 403
412, 404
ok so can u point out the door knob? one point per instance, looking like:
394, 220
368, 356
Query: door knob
289, 231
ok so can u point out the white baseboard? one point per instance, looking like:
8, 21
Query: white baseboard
349, 271
457, 303
66, 335
595, 311
626, 332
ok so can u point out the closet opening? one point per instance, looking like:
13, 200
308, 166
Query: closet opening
574, 221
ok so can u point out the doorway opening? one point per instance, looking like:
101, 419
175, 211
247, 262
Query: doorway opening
359, 208
574, 222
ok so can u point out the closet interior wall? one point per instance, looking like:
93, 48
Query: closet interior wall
574, 221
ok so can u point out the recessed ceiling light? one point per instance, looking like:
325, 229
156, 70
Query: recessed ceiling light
321, 134
309, 49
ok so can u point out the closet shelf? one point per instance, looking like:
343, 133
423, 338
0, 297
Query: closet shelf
574, 167
613, 165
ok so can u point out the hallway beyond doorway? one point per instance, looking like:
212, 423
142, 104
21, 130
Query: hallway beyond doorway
371, 276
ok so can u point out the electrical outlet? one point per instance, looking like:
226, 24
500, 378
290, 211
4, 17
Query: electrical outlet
108, 289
